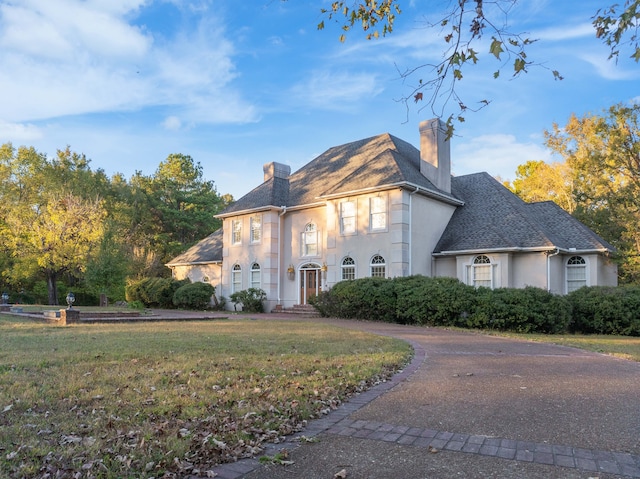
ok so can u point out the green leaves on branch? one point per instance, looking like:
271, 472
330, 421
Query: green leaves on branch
369, 14
619, 28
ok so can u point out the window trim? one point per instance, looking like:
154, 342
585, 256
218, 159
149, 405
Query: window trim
373, 213
255, 268
569, 266
236, 272
481, 262
310, 232
354, 216
253, 237
377, 265
348, 268
236, 232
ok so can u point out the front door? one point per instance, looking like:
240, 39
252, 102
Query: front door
309, 283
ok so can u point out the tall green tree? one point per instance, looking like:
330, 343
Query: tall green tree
602, 153
59, 237
183, 205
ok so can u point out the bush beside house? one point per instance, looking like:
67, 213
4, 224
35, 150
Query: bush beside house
448, 302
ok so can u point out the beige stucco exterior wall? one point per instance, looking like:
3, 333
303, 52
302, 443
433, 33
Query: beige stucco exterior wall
200, 272
522, 269
428, 222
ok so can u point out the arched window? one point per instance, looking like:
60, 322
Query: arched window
255, 276
378, 267
236, 278
576, 273
310, 240
348, 268
482, 272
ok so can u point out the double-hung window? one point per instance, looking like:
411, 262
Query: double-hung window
255, 276
378, 213
347, 217
310, 240
236, 278
378, 267
482, 272
348, 269
576, 273
236, 232
256, 229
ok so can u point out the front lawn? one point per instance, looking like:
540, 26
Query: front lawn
142, 400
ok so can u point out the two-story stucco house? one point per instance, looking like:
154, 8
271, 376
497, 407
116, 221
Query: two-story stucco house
381, 207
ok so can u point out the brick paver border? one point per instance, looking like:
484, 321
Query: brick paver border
339, 423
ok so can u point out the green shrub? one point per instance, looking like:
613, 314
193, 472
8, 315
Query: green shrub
154, 292
250, 299
528, 310
606, 310
365, 298
193, 296
439, 301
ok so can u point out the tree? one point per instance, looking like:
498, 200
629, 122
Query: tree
59, 237
461, 28
603, 156
183, 205
540, 181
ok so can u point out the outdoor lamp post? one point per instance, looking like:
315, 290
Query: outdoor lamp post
70, 299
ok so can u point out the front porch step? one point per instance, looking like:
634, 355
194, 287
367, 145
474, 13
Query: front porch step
299, 309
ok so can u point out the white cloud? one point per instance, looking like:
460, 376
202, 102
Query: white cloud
172, 123
19, 132
72, 57
336, 91
498, 155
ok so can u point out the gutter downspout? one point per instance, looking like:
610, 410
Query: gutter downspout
280, 246
549, 255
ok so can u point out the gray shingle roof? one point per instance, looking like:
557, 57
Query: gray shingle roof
370, 163
208, 250
494, 218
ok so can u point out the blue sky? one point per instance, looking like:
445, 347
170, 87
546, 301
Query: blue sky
238, 84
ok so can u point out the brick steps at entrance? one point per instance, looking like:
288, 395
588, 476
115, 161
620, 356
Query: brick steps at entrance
299, 309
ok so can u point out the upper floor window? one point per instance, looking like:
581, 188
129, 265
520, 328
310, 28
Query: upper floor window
378, 213
347, 217
348, 268
236, 232
378, 267
255, 276
482, 272
256, 229
576, 273
236, 278
310, 240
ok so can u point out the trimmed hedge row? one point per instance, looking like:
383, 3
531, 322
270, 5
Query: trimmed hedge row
606, 310
448, 302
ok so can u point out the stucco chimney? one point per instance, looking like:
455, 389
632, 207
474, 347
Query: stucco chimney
435, 153
277, 170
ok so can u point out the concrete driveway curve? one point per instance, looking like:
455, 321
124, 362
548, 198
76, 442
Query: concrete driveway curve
473, 406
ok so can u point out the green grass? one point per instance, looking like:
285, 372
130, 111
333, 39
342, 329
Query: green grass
626, 347
140, 400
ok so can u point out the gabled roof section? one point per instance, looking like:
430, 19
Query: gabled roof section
273, 192
494, 218
208, 250
375, 162
565, 231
